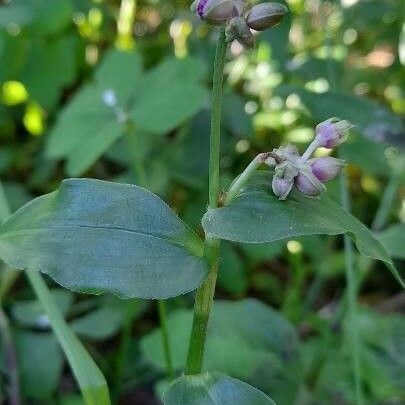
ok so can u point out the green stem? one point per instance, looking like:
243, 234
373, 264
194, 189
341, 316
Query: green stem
351, 297
205, 294
215, 134
165, 339
241, 181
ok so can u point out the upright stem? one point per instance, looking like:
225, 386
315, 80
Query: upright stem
351, 282
205, 294
215, 134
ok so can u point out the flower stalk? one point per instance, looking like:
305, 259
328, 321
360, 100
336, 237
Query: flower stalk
205, 294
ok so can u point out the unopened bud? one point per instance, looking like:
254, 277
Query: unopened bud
265, 15
326, 168
308, 183
281, 186
238, 29
332, 132
217, 12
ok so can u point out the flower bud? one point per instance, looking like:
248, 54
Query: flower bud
238, 29
281, 186
332, 132
265, 15
326, 168
308, 184
217, 12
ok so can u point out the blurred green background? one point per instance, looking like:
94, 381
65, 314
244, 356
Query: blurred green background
72, 71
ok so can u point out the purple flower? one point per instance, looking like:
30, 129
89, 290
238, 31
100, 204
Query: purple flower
265, 15
281, 186
308, 183
218, 12
332, 132
326, 168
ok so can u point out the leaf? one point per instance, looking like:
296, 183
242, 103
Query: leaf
96, 117
20, 14
169, 95
241, 337
99, 324
373, 120
393, 239
94, 236
31, 312
257, 216
40, 363
93, 147
90, 379
121, 72
213, 389
49, 68
85, 116
232, 276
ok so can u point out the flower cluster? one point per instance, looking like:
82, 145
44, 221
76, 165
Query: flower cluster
238, 19
308, 175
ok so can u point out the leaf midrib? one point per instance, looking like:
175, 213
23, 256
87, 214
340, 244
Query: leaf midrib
100, 228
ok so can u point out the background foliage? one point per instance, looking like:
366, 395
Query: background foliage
72, 70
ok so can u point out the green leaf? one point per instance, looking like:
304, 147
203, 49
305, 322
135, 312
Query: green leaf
169, 95
99, 324
213, 389
232, 277
40, 363
121, 72
90, 379
375, 121
95, 236
393, 239
241, 337
20, 14
97, 116
93, 147
31, 312
257, 216
85, 116
49, 68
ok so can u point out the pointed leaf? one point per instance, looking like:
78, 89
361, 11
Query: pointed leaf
95, 236
213, 389
257, 216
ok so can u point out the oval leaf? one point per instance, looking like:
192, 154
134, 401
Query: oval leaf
257, 216
213, 389
96, 236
